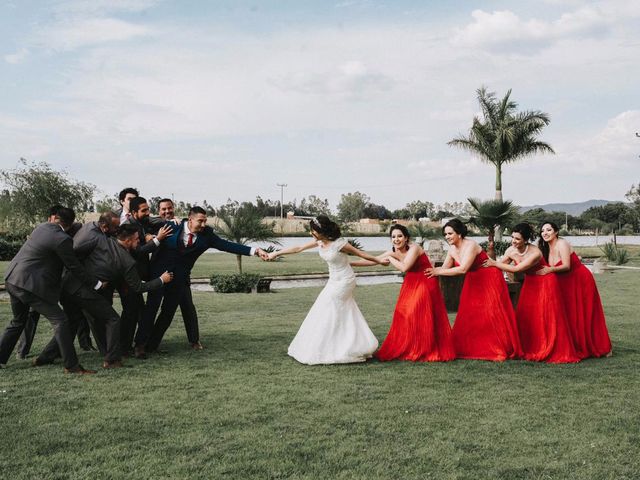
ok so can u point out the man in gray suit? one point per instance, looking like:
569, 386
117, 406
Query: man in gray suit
26, 339
109, 259
33, 280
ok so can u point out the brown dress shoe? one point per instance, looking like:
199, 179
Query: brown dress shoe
80, 370
116, 364
139, 352
197, 346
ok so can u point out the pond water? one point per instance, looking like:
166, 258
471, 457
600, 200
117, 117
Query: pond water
377, 244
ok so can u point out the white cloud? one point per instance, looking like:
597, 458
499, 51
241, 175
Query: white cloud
83, 32
101, 7
504, 31
17, 57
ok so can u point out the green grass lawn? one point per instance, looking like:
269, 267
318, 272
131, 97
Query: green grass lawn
242, 409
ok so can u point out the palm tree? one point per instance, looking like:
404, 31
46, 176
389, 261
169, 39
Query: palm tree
244, 225
424, 232
503, 135
490, 216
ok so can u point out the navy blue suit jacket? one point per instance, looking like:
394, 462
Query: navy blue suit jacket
174, 257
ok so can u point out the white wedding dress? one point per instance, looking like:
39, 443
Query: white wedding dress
334, 330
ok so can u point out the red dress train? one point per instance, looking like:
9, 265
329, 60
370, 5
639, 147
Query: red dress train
420, 329
542, 324
584, 310
485, 327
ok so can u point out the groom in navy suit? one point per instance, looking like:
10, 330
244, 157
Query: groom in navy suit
178, 253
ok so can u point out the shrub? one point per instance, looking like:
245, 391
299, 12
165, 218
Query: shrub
9, 248
614, 254
236, 283
500, 247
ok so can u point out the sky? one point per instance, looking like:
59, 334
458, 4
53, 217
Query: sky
216, 100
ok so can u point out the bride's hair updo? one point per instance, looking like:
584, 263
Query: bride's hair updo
526, 230
325, 227
457, 226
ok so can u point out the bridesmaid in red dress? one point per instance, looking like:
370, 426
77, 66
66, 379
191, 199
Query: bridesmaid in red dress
542, 323
485, 327
579, 293
420, 330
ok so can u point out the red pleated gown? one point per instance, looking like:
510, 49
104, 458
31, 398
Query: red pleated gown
542, 324
485, 327
420, 330
584, 310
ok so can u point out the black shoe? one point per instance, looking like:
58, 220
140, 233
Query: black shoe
38, 362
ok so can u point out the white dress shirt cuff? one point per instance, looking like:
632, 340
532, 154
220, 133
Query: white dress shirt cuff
156, 241
98, 285
253, 251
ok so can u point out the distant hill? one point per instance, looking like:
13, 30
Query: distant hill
574, 209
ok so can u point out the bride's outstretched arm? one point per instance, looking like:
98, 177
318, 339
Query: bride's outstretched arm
290, 250
369, 263
351, 250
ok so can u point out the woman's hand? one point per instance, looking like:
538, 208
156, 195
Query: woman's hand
489, 262
273, 255
544, 271
432, 272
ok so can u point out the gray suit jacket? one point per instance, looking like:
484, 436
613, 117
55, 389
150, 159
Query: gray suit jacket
37, 267
105, 258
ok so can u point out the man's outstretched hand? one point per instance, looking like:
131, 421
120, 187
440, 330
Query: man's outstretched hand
262, 254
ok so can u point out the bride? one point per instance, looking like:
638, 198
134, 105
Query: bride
334, 330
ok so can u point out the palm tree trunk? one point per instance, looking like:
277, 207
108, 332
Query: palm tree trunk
498, 230
239, 259
491, 248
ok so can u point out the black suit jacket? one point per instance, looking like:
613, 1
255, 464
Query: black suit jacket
174, 257
141, 254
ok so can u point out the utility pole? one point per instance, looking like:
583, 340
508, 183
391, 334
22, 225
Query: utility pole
281, 185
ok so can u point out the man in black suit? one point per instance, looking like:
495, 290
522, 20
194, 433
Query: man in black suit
111, 260
133, 302
33, 280
178, 253
154, 299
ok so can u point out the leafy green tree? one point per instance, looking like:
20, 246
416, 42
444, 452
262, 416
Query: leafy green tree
107, 203
380, 212
32, 188
418, 209
614, 215
503, 135
491, 215
351, 206
314, 206
243, 224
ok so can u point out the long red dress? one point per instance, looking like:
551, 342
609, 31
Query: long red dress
542, 323
485, 327
584, 310
420, 329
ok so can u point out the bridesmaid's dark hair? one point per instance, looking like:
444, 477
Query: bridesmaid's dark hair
325, 227
542, 245
457, 226
525, 230
403, 229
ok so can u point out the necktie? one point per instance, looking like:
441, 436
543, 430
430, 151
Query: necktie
190, 240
